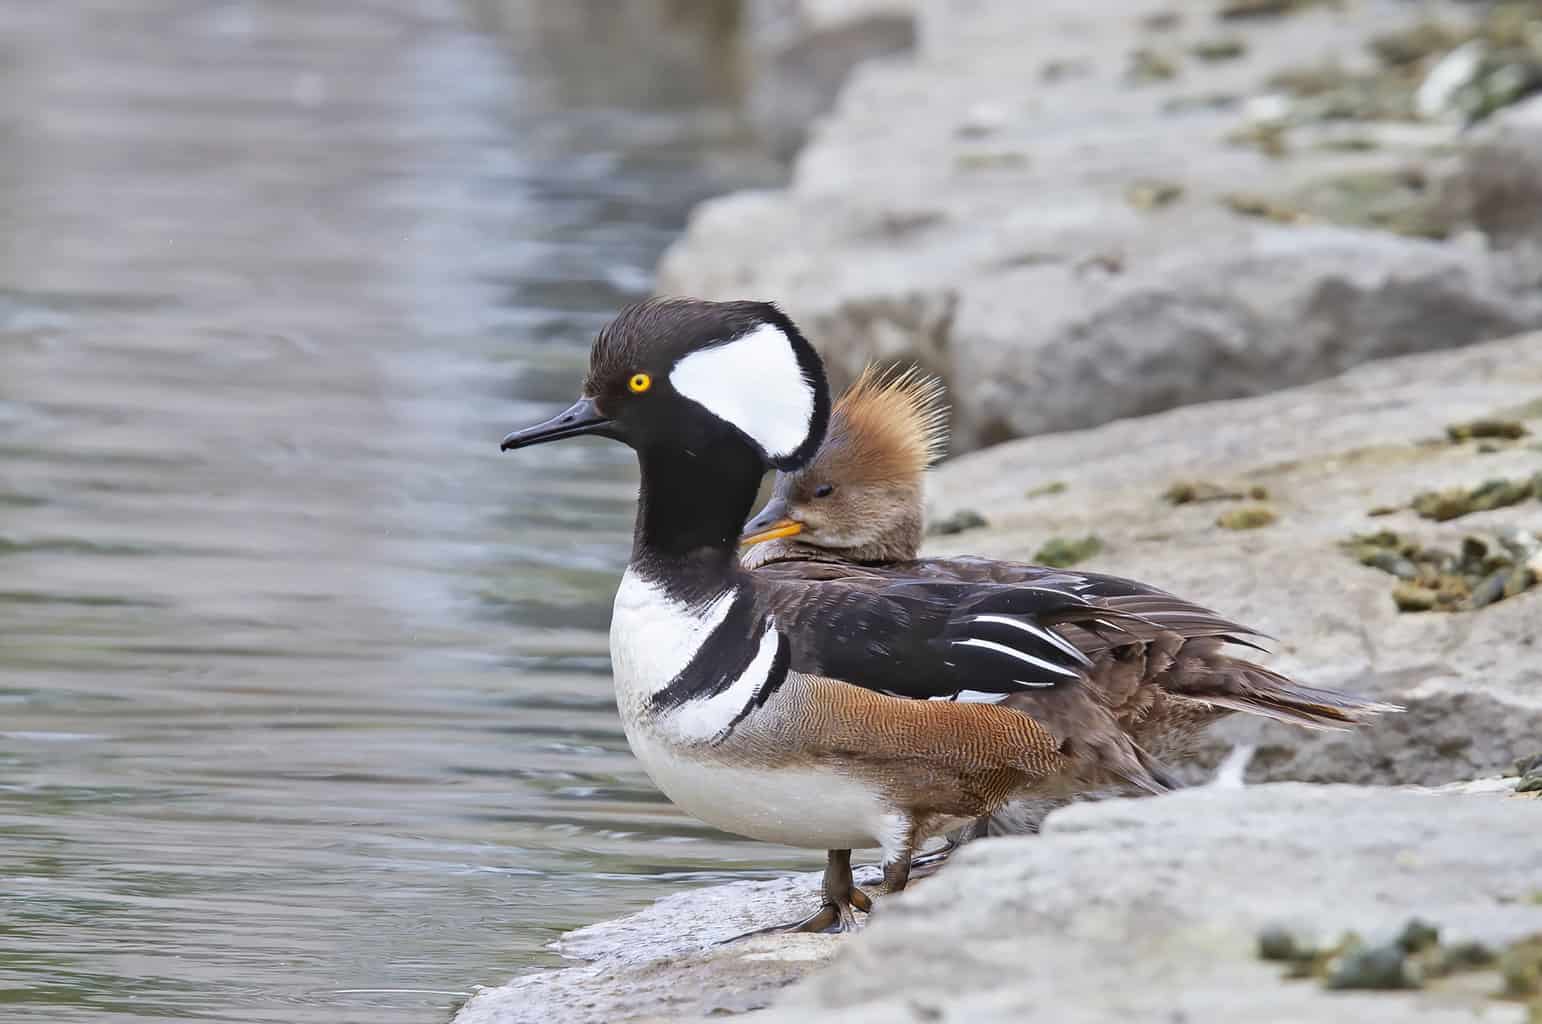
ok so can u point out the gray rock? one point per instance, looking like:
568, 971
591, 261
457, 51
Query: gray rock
967, 210
1124, 910
1498, 181
799, 52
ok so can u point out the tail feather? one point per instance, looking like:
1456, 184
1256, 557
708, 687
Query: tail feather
1225, 682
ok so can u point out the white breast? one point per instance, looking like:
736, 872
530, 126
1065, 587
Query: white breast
653, 636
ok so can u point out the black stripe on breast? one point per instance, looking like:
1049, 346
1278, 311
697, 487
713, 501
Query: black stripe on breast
773, 682
721, 659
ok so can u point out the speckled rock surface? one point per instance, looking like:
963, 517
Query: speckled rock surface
1149, 910
1123, 910
1067, 237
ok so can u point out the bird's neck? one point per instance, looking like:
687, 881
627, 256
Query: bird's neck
691, 509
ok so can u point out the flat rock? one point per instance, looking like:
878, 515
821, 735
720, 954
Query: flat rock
1122, 910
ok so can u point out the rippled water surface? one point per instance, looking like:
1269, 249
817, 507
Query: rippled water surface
304, 704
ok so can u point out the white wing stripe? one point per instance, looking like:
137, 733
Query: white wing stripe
1049, 636
1048, 666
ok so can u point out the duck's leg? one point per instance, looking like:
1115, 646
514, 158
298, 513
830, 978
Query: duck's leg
841, 898
927, 863
896, 872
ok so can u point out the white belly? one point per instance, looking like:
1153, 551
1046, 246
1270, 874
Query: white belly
822, 810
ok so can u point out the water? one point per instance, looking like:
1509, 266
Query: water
304, 704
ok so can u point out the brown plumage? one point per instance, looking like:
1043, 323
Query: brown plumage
1154, 683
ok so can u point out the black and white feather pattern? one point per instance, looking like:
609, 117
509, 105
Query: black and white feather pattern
936, 628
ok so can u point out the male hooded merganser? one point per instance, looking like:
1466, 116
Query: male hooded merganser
860, 501
816, 710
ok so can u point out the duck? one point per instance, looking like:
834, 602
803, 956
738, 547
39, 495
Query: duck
854, 707
860, 501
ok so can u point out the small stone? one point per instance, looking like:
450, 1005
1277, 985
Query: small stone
1491, 589
1279, 943
1184, 492
1150, 66
1521, 968
1059, 552
1268, 137
1161, 21
1151, 194
1451, 503
1521, 579
1499, 493
1043, 490
1418, 935
1224, 48
1263, 207
1412, 44
1391, 562
1383, 510
1411, 597
1234, 10
1463, 956
982, 119
1250, 517
1258, 492
958, 522
1506, 429
1381, 967
1531, 782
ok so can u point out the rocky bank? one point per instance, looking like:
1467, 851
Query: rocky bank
1076, 212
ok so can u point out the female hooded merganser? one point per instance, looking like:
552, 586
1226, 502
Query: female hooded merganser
860, 501
838, 710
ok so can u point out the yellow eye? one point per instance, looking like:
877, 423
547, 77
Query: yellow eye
639, 383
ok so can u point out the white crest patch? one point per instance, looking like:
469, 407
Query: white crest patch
755, 383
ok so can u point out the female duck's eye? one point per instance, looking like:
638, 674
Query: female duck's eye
824, 490
639, 383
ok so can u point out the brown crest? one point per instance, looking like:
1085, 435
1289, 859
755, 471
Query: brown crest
890, 425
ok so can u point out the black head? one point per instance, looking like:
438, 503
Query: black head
688, 375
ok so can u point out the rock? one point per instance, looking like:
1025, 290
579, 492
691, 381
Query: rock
1498, 181
799, 53
1327, 453
1065, 551
1025, 255
1126, 909
956, 522
1386, 966
1249, 517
